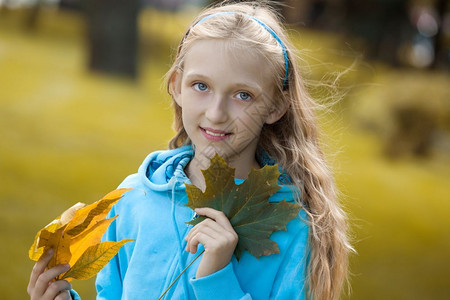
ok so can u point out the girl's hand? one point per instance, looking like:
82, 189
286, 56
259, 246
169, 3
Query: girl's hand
41, 285
217, 236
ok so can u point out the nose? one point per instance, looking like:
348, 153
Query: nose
217, 110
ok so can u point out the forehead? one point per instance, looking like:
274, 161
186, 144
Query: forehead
230, 58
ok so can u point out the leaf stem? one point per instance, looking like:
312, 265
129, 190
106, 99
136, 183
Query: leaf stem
175, 280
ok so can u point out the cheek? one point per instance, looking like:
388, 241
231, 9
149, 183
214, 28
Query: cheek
253, 117
189, 116
185, 118
248, 126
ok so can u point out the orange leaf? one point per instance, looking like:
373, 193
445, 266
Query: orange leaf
35, 253
94, 259
68, 215
94, 212
38, 248
88, 238
60, 242
75, 236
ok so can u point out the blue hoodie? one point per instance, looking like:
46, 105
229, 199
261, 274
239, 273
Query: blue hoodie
155, 215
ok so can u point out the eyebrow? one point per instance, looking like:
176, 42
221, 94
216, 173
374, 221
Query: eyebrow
257, 88
196, 75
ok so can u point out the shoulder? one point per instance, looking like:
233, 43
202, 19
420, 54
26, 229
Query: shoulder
287, 192
299, 226
295, 237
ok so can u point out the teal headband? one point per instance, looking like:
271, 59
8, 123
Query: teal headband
270, 30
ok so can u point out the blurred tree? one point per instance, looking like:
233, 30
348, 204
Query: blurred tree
168, 5
295, 12
440, 49
75, 5
412, 133
33, 15
113, 35
384, 24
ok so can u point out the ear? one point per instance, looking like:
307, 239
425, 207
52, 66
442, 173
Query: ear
277, 112
175, 86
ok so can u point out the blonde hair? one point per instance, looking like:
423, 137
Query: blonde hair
293, 138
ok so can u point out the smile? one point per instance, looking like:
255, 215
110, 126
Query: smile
214, 135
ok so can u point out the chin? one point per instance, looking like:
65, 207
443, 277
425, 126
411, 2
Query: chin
210, 151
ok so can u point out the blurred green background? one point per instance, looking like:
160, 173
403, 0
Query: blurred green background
71, 130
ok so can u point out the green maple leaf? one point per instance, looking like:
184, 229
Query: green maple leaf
246, 205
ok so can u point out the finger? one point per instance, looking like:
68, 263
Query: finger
64, 295
201, 238
47, 276
215, 231
205, 223
211, 232
222, 237
56, 288
216, 215
39, 268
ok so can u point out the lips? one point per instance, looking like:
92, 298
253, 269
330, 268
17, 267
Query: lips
214, 134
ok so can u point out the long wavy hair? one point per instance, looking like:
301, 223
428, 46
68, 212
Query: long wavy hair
292, 141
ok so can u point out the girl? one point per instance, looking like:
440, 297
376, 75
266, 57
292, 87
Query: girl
238, 92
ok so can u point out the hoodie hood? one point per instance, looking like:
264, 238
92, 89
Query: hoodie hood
161, 169
164, 170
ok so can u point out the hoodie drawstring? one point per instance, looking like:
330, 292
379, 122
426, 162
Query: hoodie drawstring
180, 245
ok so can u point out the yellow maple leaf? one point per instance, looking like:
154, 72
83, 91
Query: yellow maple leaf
75, 238
88, 238
89, 215
94, 259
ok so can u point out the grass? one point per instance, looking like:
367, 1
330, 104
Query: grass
398, 212
69, 135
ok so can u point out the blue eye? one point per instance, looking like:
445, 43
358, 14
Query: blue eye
200, 86
244, 96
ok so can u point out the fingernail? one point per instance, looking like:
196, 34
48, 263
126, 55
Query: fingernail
67, 266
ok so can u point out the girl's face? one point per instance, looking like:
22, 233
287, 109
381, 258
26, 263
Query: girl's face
226, 95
